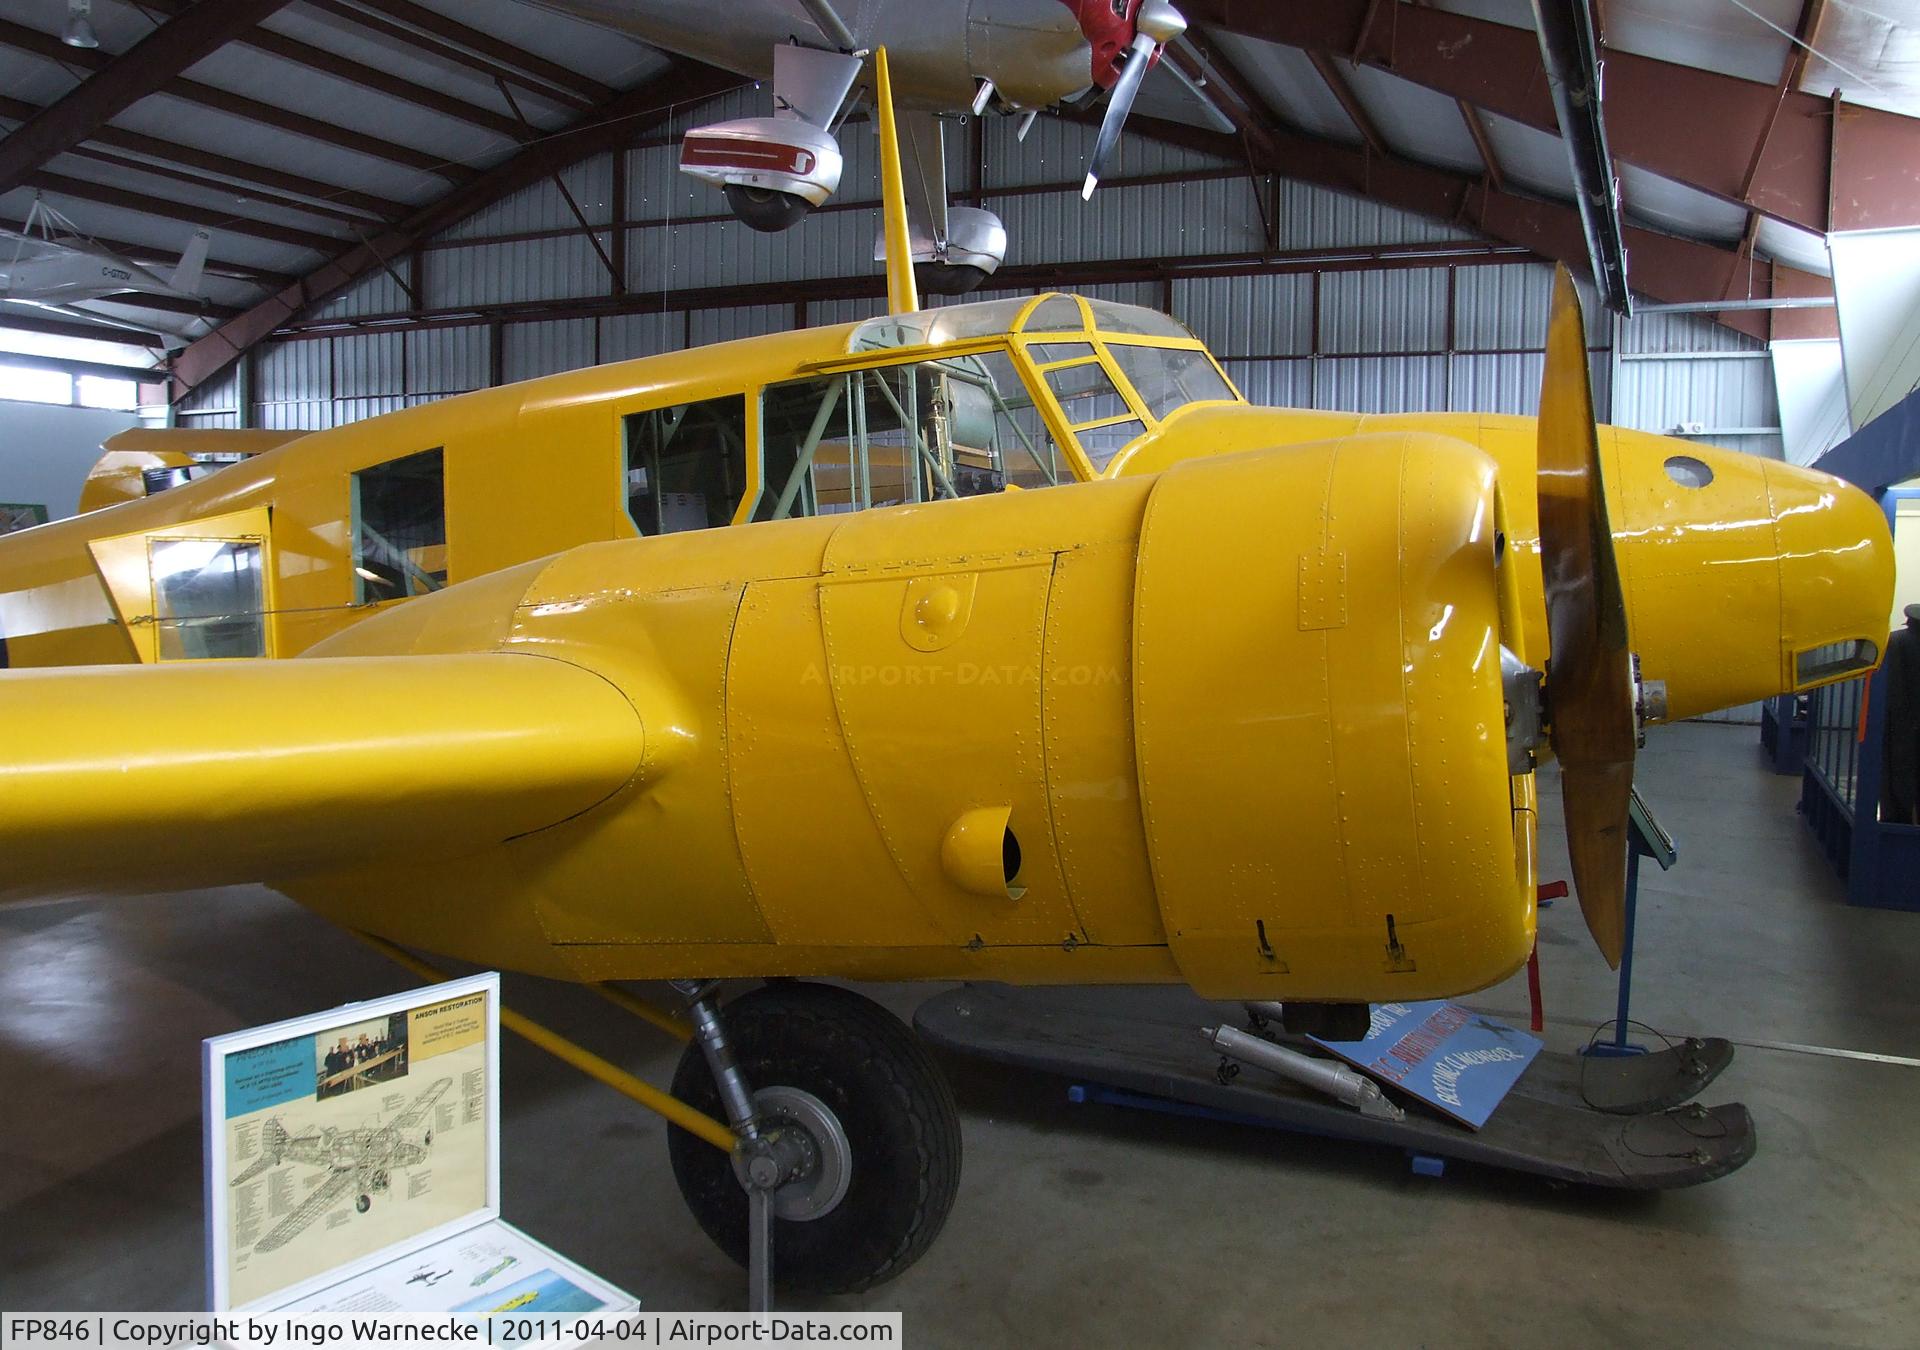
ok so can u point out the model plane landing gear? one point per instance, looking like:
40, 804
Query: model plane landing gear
850, 1137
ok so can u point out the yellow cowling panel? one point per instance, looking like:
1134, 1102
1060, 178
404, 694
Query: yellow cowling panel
1092, 785
918, 778
796, 798
206, 773
1322, 738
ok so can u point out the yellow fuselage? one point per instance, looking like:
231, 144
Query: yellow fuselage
1233, 716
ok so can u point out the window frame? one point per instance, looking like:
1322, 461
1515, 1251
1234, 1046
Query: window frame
356, 522
1071, 460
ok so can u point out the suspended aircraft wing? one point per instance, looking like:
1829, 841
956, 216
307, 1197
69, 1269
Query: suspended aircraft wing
330, 1193
141, 778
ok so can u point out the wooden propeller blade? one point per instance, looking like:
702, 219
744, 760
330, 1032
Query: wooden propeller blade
1589, 670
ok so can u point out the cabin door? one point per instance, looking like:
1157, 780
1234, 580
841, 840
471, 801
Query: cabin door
200, 590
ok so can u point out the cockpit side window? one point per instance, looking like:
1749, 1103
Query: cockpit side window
400, 528
687, 465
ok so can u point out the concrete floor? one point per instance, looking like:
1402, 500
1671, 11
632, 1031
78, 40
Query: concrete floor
1087, 1225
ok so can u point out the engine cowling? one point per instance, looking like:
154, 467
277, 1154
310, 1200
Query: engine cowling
774, 170
975, 246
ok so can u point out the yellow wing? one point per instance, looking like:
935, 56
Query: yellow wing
147, 778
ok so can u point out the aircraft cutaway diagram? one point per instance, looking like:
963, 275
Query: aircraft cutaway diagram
359, 1162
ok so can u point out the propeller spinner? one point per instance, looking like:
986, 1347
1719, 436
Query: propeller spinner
1155, 24
1592, 690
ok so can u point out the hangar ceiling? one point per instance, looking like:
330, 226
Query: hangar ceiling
325, 140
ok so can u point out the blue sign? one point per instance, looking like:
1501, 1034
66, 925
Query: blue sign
1458, 1062
268, 1075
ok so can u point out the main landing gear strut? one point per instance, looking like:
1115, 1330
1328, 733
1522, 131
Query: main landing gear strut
848, 1152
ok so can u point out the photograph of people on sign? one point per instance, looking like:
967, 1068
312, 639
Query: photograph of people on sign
343, 1141
364, 1053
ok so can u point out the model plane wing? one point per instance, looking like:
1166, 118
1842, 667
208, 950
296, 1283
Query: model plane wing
146, 778
417, 1111
330, 1193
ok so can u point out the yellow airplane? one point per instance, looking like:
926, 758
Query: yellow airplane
1033, 653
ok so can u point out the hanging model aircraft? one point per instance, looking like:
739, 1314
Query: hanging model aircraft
1009, 57
1000, 641
358, 1163
52, 265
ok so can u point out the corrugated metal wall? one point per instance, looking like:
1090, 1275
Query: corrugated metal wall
1410, 335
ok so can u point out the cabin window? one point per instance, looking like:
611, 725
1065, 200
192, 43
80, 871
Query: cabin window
400, 528
207, 598
888, 435
687, 465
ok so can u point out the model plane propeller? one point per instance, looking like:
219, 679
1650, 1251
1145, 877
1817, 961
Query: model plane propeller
1156, 23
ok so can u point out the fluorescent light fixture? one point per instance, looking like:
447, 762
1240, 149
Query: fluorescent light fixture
79, 31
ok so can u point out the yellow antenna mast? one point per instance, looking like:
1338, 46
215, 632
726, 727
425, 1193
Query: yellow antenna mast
902, 296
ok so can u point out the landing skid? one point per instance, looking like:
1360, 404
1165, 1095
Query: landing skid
1148, 1041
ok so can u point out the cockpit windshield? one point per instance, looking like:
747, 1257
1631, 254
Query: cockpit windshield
1167, 378
1111, 372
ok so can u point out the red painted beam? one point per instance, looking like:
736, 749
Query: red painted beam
1664, 266
35, 323
361, 75
486, 44
103, 66
258, 175
872, 285
610, 126
1694, 126
144, 68
60, 185
149, 256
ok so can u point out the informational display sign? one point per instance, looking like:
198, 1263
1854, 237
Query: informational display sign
353, 1165
1456, 1060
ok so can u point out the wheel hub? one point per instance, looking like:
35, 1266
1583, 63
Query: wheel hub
802, 1155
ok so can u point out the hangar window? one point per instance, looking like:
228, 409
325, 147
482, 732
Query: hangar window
400, 528
687, 465
207, 598
887, 435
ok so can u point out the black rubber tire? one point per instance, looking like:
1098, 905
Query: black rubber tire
767, 210
938, 278
902, 1128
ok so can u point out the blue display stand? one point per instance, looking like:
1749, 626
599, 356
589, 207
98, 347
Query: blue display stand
1646, 840
1783, 732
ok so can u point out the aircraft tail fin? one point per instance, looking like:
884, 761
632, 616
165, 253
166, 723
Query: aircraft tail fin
193, 264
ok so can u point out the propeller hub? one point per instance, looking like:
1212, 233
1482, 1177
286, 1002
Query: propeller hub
1523, 688
1159, 21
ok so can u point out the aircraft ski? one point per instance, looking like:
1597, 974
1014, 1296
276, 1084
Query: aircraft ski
1146, 1042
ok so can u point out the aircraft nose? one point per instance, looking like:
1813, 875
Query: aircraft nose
1836, 574
1745, 577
